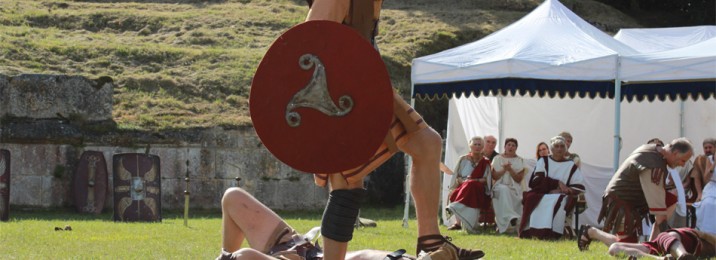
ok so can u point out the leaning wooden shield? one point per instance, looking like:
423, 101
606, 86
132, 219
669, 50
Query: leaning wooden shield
90, 183
321, 99
4, 185
137, 187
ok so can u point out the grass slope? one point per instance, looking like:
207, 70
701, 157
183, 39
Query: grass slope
184, 64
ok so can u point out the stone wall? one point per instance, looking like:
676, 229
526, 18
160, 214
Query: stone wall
44, 119
42, 174
53, 96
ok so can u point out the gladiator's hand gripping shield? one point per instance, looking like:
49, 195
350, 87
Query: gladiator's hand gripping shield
321, 99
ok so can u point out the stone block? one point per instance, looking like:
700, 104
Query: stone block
207, 157
56, 192
4, 83
289, 195
53, 96
230, 164
173, 164
172, 194
26, 190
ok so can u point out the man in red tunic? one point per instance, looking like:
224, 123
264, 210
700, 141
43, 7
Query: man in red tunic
555, 184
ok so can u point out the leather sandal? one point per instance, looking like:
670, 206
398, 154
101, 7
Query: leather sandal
584, 232
444, 242
455, 227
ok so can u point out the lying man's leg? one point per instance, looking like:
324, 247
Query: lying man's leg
630, 249
593, 233
246, 254
245, 217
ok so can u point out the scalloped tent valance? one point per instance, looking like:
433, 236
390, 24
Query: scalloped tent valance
637, 92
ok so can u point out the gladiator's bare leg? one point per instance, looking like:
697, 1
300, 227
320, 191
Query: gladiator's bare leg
425, 149
631, 249
601, 236
677, 249
251, 254
244, 217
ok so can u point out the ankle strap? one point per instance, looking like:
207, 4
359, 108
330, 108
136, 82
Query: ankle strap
430, 237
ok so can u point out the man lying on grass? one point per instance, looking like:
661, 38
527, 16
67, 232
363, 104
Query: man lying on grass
679, 243
270, 237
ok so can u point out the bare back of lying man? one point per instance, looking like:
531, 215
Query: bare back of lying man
269, 236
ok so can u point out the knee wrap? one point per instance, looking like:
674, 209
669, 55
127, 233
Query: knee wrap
341, 212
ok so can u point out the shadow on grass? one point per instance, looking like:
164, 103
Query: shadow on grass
21, 214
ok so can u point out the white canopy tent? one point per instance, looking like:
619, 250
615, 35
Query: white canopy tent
693, 63
646, 40
552, 52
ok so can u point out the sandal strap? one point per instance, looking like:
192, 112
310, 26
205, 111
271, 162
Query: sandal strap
442, 240
431, 246
430, 237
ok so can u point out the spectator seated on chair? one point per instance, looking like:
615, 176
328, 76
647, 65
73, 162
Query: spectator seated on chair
470, 188
555, 184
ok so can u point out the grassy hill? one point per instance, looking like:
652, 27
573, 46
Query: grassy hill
185, 64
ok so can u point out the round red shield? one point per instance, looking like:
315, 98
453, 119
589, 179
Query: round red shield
321, 99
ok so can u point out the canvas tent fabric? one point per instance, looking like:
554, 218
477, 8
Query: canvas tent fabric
550, 50
648, 40
668, 73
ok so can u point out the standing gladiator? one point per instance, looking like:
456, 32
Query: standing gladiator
408, 133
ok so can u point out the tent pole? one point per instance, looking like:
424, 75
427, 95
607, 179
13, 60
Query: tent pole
681, 118
408, 165
617, 115
501, 140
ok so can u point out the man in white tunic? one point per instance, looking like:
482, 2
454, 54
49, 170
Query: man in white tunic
555, 184
508, 170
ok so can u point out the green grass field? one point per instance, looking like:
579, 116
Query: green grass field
31, 234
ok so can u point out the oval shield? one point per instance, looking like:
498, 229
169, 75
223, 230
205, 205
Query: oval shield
4, 185
90, 183
321, 99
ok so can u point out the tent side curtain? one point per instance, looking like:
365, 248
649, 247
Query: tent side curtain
669, 90
515, 86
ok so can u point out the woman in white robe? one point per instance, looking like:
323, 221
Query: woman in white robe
470, 188
508, 169
555, 183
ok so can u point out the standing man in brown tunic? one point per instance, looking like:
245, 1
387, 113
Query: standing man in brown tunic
703, 166
637, 189
408, 133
